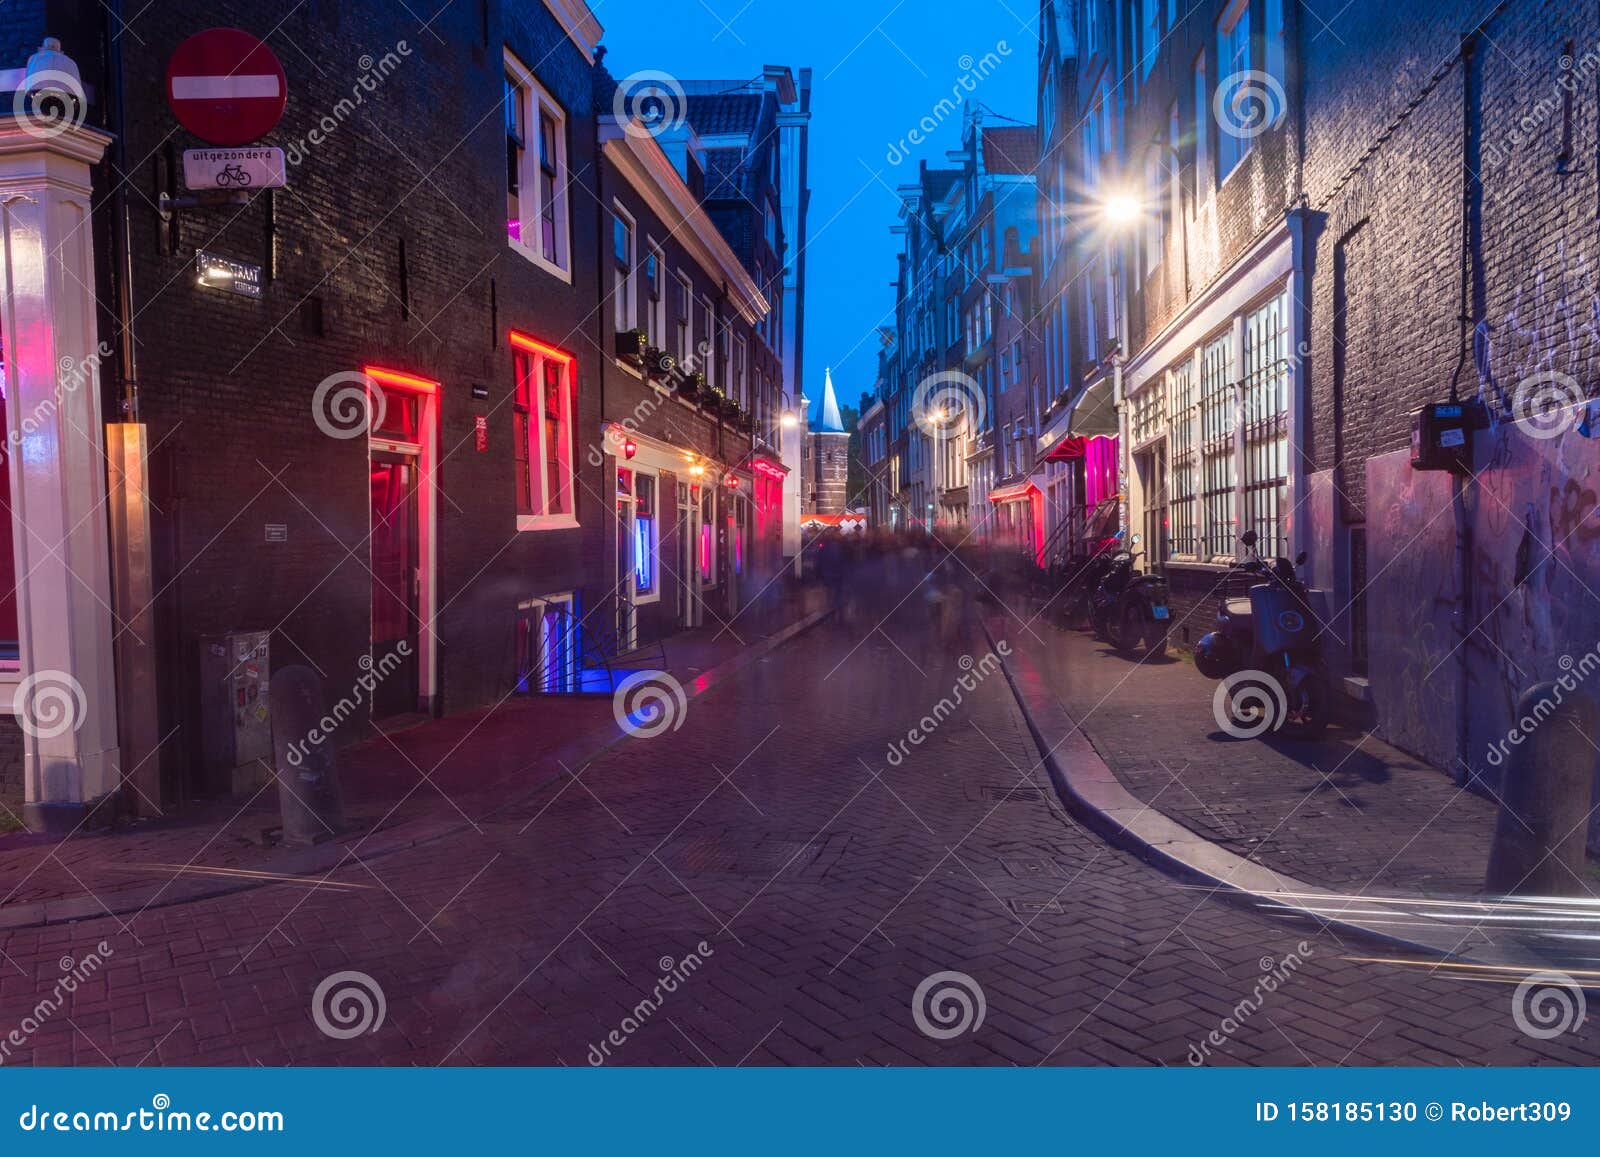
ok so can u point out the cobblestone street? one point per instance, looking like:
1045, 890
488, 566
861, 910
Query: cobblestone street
769, 884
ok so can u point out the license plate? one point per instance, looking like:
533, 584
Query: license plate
1160, 613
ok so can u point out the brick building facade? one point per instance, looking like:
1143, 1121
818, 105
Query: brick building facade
402, 457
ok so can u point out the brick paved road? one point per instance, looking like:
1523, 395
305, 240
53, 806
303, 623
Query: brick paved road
1347, 811
825, 882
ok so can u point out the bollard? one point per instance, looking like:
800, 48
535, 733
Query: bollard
1539, 839
303, 759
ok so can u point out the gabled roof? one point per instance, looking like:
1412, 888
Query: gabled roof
725, 112
1010, 149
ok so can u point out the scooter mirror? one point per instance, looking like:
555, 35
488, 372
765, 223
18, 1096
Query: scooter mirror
1137, 539
1300, 559
1249, 538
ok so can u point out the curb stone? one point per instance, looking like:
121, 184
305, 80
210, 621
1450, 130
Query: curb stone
1091, 792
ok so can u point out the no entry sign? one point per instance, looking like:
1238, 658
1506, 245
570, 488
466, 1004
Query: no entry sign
226, 87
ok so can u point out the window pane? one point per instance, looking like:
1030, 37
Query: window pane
558, 451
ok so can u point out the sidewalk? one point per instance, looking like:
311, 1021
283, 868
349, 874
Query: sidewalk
400, 789
1348, 812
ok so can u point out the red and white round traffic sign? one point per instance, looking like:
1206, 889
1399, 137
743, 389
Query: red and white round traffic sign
226, 87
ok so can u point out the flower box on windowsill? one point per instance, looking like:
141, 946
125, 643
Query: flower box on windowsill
692, 387
632, 345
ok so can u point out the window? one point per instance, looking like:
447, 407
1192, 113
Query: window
655, 289
771, 229
738, 389
1202, 130
645, 537
1266, 422
682, 303
624, 294
547, 645
536, 171
1217, 450
705, 318
1184, 464
1155, 216
542, 434
1275, 42
1150, 35
1233, 58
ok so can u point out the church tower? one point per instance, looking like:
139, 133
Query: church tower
827, 464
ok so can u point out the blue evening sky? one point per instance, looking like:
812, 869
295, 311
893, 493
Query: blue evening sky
878, 68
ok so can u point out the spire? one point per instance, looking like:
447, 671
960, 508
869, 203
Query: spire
828, 420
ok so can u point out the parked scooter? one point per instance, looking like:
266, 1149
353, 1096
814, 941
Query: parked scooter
1265, 651
1129, 608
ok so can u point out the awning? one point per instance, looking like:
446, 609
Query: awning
1013, 493
1091, 414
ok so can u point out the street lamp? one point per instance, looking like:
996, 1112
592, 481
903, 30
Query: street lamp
1121, 209
789, 420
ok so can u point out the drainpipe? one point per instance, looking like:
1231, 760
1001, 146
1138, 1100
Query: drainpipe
1458, 485
121, 232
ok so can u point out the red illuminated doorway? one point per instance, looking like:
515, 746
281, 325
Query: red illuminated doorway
396, 583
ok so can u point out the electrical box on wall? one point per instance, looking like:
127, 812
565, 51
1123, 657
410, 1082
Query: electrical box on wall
1441, 437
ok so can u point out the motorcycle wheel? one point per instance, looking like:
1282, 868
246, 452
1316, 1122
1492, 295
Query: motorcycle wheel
1130, 627
1155, 640
1308, 710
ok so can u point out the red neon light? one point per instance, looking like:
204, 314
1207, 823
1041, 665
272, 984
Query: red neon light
523, 342
403, 381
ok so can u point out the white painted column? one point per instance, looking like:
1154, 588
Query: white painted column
66, 700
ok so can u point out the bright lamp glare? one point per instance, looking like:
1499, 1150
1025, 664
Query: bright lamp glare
1122, 210
790, 421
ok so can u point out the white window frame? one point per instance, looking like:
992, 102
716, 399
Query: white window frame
637, 597
708, 364
1234, 17
624, 296
684, 283
537, 607
542, 519
656, 322
538, 102
739, 391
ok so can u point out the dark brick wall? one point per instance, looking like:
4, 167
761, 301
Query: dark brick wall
10, 757
227, 382
1385, 133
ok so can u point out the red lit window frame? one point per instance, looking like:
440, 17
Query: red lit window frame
527, 423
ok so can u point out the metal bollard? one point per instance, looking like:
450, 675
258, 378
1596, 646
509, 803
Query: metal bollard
303, 759
1539, 839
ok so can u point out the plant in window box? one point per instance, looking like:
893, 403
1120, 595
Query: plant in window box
659, 363
713, 397
692, 386
632, 345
